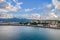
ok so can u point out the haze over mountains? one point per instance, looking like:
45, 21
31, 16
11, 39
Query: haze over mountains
14, 20
24, 18
18, 18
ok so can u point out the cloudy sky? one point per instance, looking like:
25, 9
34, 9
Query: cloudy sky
30, 9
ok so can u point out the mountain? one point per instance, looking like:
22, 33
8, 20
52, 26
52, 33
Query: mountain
14, 20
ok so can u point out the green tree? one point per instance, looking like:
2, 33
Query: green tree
34, 23
58, 21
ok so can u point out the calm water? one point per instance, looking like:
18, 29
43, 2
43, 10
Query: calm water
28, 33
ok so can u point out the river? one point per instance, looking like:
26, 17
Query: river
28, 33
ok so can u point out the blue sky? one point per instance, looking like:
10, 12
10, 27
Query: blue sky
34, 3
30, 9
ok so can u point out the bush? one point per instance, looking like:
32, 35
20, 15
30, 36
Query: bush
34, 23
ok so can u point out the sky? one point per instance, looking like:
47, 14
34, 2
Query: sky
30, 9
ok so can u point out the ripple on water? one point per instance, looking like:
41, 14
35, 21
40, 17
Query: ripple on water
24, 33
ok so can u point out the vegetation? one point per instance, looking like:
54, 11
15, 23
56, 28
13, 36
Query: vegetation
33, 23
37, 23
58, 21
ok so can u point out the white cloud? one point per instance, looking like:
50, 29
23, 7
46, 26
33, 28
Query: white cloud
44, 6
28, 9
51, 16
15, 1
35, 16
7, 6
22, 16
56, 3
6, 16
49, 5
1, 0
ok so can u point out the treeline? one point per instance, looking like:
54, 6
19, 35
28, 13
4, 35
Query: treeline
33, 23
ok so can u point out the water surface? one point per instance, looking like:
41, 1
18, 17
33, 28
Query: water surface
28, 33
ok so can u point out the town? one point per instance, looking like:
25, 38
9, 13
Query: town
38, 23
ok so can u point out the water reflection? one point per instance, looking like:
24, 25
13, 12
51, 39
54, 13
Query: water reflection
6, 32
55, 33
24, 33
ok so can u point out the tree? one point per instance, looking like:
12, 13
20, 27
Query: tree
34, 23
58, 21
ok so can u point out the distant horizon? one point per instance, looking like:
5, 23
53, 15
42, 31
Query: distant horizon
22, 20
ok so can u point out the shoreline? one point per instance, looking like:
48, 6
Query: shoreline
29, 26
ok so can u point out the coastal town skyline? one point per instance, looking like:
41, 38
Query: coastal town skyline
29, 19
30, 9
